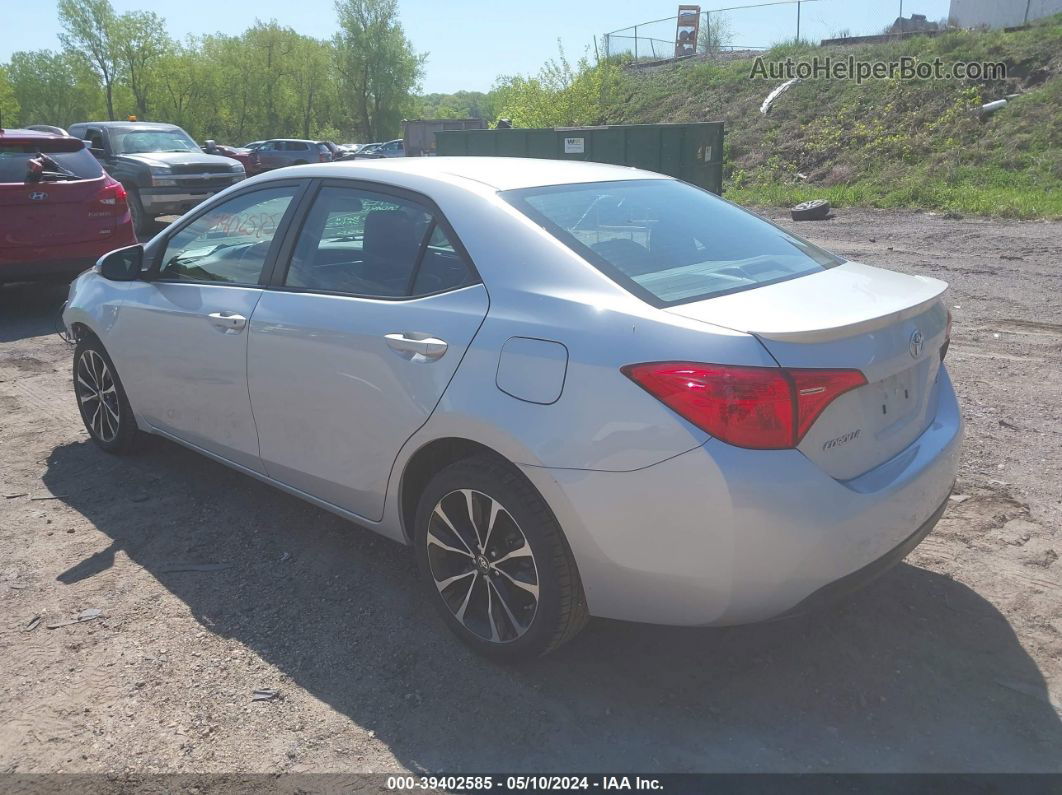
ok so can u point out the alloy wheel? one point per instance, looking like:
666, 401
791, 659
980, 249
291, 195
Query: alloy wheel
98, 396
482, 565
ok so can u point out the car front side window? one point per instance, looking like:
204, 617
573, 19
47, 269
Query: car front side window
229, 243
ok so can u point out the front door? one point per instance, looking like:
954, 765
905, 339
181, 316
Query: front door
348, 357
182, 338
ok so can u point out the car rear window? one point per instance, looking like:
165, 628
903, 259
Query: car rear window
669, 242
14, 156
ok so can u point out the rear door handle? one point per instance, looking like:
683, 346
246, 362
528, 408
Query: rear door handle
229, 322
412, 345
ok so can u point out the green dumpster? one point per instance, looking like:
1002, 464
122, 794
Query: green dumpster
690, 152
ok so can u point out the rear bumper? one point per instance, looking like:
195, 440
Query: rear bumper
32, 264
850, 583
722, 535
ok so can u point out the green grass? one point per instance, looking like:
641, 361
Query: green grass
885, 143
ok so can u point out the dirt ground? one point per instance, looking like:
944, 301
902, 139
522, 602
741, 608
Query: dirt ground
951, 662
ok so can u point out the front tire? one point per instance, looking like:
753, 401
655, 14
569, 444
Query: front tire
101, 399
495, 562
141, 221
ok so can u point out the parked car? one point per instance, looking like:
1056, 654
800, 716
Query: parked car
163, 170
334, 150
395, 148
667, 410
253, 145
59, 211
280, 152
235, 152
364, 152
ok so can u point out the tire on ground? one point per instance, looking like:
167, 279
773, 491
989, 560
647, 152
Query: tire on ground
141, 221
561, 609
814, 210
128, 437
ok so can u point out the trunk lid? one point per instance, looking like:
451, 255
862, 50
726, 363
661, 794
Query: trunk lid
888, 325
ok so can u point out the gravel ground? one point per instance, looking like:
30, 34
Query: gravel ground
951, 662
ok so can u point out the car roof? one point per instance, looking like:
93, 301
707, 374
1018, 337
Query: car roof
128, 125
13, 135
500, 173
294, 140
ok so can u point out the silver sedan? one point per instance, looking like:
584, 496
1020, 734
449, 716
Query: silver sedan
575, 389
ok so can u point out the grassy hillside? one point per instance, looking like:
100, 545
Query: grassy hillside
885, 143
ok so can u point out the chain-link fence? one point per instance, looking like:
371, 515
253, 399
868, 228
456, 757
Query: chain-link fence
762, 25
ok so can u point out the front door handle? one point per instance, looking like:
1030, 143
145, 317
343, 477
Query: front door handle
414, 345
229, 322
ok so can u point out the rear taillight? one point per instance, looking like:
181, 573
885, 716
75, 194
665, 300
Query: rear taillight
112, 195
324, 157
947, 338
763, 408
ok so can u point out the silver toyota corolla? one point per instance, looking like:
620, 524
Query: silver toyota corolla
575, 389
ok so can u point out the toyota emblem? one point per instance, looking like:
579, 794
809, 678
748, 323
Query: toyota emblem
918, 341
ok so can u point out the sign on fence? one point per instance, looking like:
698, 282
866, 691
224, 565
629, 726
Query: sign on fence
686, 30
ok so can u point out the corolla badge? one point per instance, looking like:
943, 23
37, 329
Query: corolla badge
918, 342
38, 196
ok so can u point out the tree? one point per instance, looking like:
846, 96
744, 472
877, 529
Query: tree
559, 95
52, 88
715, 34
88, 30
9, 107
377, 64
140, 41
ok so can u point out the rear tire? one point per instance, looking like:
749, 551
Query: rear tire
101, 399
495, 562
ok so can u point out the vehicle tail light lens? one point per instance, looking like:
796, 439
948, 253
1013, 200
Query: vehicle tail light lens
323, 157
113, 195
763, 408
947, 338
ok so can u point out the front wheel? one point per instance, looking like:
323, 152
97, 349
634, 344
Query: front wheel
496, 564
101, 398
141, 220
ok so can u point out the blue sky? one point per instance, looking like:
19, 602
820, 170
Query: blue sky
471, 42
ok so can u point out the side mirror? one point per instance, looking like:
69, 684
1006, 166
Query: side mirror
122, 265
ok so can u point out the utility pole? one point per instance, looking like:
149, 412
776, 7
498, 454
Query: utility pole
798, 21
635, 42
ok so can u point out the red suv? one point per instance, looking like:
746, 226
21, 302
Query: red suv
59, 210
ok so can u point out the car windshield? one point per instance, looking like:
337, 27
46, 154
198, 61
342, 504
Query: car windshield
669, 242
64, 164
133, 142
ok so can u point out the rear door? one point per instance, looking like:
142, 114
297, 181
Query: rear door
180, 340
58, 209
371, 311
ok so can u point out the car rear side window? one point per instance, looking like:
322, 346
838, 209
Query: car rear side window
669, 242
68, 165
363, 243
230, 242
